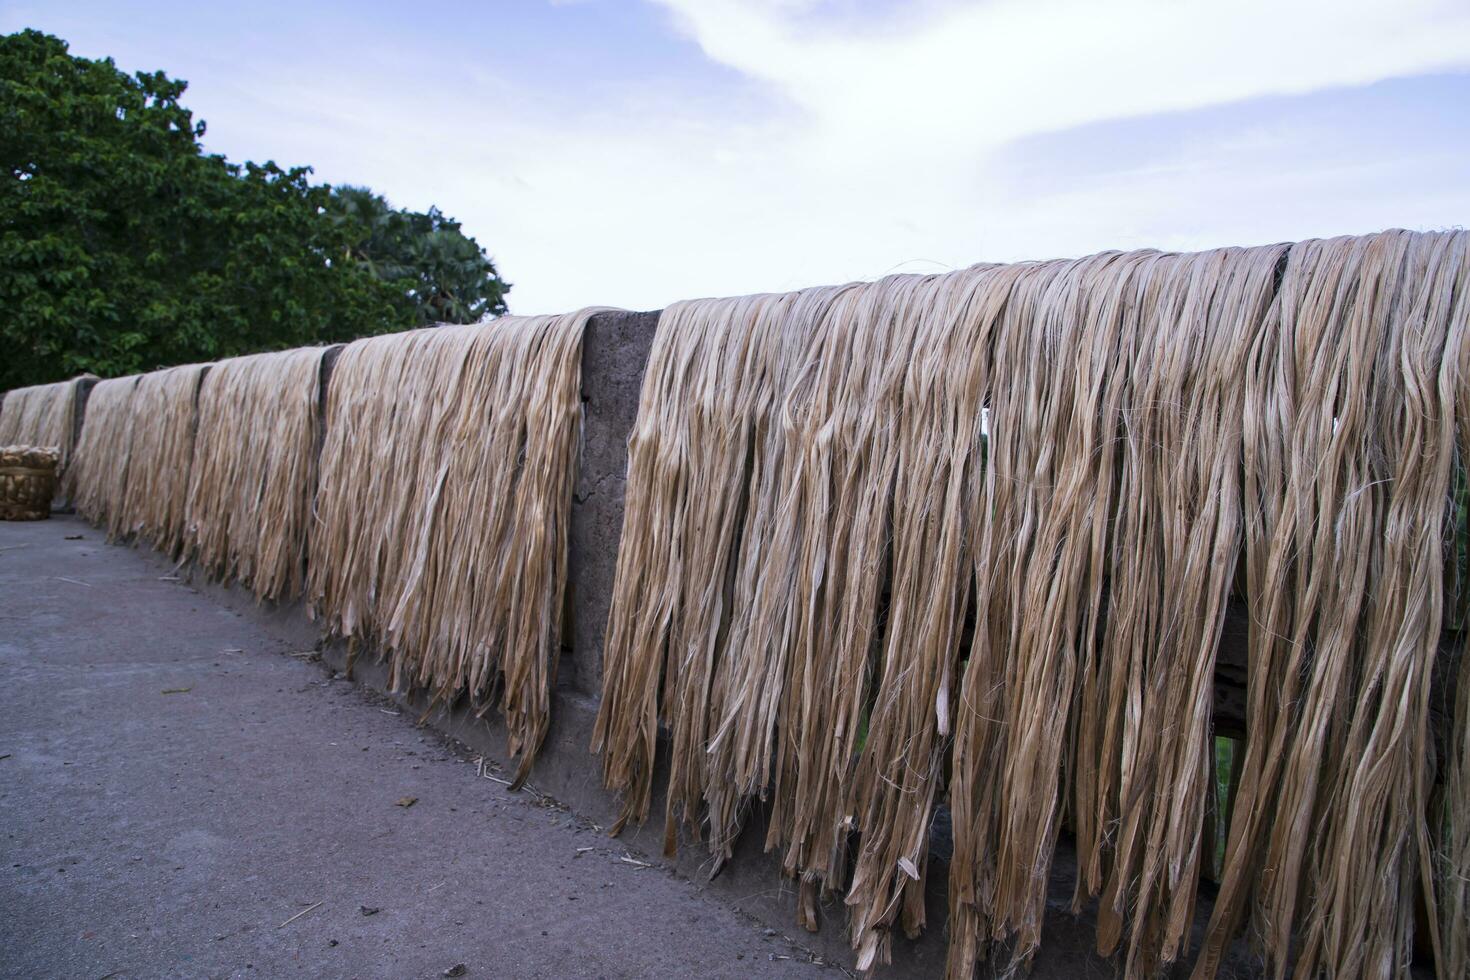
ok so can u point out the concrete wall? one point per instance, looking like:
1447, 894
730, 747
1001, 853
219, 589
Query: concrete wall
614, 354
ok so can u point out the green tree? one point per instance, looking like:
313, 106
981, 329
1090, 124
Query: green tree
124, 247
443, 275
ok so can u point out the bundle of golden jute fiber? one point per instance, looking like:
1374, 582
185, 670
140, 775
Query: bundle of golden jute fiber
1141, 723
767, 606
97, 480
1450, 810
1075, 454
707, 422
1452, 846
254, 472
443, 508
160, 454
42, 415
1349, 443
844, 462
940, 446
381, 451
1102, 570
749, 668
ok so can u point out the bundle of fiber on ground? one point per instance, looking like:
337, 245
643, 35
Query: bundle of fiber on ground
442, 513
1073, 457
97, 480
254, 472
42, 415
27, 482
160, 456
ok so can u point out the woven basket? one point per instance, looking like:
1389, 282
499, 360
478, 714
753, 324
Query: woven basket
27, 482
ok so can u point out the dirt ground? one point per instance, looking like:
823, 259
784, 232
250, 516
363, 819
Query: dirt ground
182, 797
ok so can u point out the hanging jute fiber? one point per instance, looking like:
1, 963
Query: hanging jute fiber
1350, 447
97, 480
1450, 806
970, 538
1104, 560
254, 470
708, 428
160, 456
441, 518
42, 416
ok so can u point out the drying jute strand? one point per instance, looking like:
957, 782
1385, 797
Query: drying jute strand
1142, 718
442, 514
97, 479
133, 461
381, 450
254, 472
160, 457
1450, 809
940, 438
970, 539
749, 673
41, 415
1348, 471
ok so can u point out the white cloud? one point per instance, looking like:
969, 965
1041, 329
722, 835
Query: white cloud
979, 74
846, 144
875, 153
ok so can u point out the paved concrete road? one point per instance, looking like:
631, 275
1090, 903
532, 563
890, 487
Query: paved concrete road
179, 797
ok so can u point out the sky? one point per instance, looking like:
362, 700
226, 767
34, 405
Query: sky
634, 152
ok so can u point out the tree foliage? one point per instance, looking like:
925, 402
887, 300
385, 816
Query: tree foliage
444, 274
124, 247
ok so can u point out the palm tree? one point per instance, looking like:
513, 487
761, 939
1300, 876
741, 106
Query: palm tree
452, 274
366, 216
444, 274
